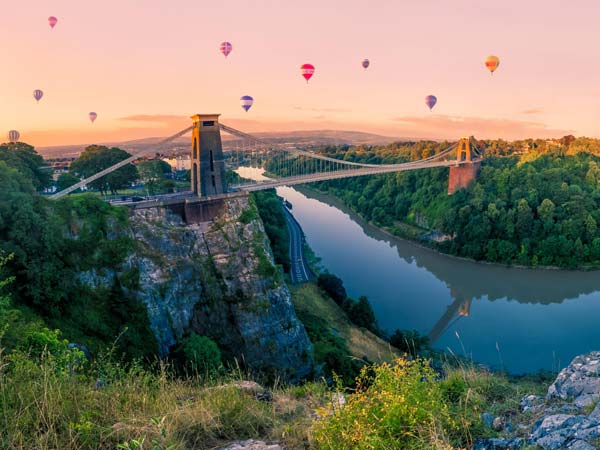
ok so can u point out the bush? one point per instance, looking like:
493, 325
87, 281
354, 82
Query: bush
410, 342
396, 406
201, 353
333, 286
362, 315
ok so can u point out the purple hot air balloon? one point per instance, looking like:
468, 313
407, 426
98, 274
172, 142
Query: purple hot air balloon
13, 136
365, 63
52, 21
246, 101
92, 116
37, 94
226, 48
430, 101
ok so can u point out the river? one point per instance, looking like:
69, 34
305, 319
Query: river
519, 320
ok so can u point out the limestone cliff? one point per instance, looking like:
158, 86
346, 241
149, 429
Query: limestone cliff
218, 279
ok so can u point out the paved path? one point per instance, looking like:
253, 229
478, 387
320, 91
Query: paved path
299, 270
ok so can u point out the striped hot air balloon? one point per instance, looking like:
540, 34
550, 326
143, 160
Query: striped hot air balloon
92, 116
307, 71
246, 101
365, 63
37, 94
13, 136
52, 21
430, 101
492, 62
226, 48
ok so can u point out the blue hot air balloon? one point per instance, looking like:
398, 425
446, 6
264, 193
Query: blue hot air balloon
246, 101
430, 101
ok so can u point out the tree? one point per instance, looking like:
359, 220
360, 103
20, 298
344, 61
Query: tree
361, 314
333, 286
27, 161
66, 180
153, 170
96, 158
201, 353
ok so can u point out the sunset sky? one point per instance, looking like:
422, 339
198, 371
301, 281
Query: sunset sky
145, 66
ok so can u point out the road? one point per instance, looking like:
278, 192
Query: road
299, 270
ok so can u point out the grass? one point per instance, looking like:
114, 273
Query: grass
44, 407
310, 301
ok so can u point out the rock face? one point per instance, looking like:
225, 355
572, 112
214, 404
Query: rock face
562, 424
218, 279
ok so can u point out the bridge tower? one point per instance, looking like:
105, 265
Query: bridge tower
207, 164
469, 155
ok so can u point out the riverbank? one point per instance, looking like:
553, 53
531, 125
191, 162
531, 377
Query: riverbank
422, 243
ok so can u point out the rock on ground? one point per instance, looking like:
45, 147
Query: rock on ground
252, 445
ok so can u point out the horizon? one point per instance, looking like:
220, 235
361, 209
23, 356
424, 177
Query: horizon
141, 68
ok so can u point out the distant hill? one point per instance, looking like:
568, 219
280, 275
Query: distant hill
311, 137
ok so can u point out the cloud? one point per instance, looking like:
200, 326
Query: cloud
321, 110
532, 111
166, 120
453, 127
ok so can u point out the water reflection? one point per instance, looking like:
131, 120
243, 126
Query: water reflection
522, 319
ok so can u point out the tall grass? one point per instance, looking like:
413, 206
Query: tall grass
43, 406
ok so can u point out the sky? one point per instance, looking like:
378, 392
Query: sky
146, 66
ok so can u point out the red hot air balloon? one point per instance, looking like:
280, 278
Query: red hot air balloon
52, 21
13, 136
92, 116
307, 71
430, 101
226, 48
37, 94
365, 63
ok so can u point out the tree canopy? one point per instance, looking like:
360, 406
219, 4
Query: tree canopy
96, 158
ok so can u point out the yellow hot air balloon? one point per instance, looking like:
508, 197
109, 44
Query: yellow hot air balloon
492, 62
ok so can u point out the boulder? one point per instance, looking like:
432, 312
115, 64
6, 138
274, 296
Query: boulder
531, 403
251, 444
579, 382
499, 444
487, 419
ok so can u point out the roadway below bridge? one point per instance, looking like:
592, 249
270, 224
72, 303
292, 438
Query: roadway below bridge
300, 271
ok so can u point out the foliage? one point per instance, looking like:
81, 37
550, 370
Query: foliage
333, 286
52, 243
396, 406
409, 342
201, 353
27, 162
155, 174
535, 202
96, 158
66, 180
272, 215
361, 314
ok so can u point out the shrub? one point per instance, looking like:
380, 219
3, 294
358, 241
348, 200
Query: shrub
396, 406
410, 342
201, 354
361, 314
333, 286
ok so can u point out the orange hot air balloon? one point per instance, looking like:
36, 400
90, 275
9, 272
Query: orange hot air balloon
492, 62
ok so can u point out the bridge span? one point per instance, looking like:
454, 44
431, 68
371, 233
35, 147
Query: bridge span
293, 165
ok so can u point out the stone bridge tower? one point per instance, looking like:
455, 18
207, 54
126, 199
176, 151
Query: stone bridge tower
207, 164
462, 174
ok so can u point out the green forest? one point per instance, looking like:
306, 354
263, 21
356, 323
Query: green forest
535, 203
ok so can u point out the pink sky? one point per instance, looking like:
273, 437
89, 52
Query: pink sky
145, 66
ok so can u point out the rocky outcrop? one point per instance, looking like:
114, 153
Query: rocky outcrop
251, 444
218, 279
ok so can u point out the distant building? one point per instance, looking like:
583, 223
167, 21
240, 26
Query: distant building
179, 163
59, 166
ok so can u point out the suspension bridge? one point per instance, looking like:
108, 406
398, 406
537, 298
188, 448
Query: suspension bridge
287, 165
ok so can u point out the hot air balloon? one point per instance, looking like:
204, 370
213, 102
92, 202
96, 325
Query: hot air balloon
365, 63
93, 116
13, 136
37, 94
307, 71
226, 48
52, 21
246, 102
492, 62
430, 101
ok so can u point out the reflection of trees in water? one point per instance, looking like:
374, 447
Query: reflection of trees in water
468, 280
